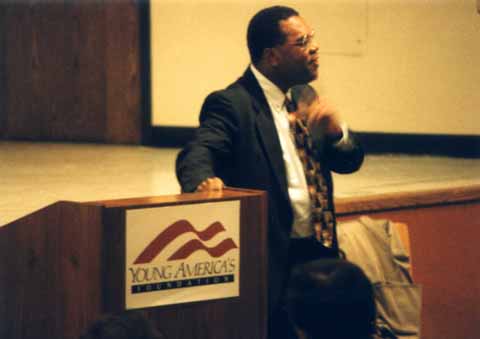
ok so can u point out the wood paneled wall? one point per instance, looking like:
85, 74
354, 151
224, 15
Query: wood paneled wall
71, 71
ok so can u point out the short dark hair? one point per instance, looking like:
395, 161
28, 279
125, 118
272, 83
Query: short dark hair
328, 298
264, 30
124, 325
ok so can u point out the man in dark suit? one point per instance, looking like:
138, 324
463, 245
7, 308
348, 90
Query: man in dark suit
243, 141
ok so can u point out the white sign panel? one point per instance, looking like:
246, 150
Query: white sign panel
183, 253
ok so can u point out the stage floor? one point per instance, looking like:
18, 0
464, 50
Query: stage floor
34, 175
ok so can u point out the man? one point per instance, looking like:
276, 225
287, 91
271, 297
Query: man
124, 325
315, 301
244, 141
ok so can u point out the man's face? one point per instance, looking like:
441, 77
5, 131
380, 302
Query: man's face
297, 57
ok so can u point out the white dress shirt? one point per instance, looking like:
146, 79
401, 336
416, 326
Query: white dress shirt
297, 185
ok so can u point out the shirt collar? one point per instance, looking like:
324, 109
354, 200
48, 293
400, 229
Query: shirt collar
275, 96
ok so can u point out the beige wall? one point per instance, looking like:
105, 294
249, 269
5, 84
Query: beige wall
406, 66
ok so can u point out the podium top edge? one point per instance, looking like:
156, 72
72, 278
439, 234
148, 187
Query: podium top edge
228, 193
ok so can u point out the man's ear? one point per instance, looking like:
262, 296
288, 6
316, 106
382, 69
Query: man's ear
270, 55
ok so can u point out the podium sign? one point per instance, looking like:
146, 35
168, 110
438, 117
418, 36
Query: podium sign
185, 253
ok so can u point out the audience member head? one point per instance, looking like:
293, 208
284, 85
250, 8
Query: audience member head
334, 304
126, 325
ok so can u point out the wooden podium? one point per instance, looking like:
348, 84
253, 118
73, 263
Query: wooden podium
64, 266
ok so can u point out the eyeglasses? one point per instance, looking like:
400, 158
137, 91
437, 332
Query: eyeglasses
304, 41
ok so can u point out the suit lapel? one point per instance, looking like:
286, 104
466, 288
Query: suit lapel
269, 138
267, 131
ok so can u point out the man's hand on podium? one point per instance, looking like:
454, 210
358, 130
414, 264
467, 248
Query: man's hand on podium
210, 184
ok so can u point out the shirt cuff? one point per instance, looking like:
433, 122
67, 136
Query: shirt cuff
345, 135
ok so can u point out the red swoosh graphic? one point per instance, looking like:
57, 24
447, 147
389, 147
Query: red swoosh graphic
173, 231
194, 245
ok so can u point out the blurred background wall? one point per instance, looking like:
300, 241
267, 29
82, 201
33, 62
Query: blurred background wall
401, 66
132, 71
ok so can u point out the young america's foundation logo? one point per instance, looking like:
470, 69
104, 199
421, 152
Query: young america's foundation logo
181, 227
196, 257
184, 274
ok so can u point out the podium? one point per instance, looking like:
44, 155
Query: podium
195, 264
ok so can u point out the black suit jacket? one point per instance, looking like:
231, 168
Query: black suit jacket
238, 142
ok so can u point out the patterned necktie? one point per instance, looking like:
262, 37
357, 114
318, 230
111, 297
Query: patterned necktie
322, 216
